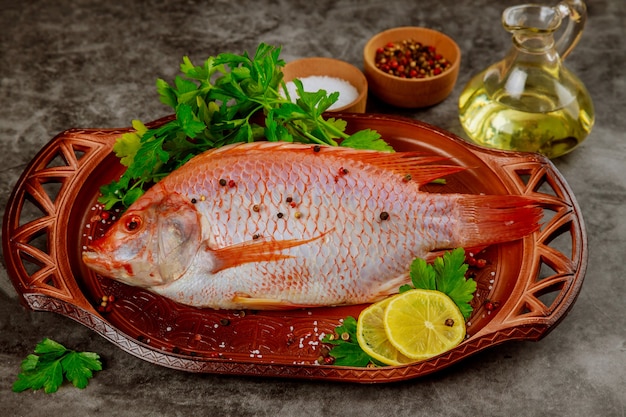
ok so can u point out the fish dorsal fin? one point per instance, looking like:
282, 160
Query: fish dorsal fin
416, 166
260, 250
420, 167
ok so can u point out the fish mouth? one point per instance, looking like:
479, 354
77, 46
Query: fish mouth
96, 261
104, 264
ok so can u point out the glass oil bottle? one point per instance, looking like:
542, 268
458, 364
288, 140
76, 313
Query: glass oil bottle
530, 101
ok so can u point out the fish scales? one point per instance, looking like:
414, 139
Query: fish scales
274, 225
333, 205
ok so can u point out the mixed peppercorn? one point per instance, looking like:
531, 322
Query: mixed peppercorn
410, 59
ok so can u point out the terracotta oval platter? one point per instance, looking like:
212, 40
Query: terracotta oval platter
524, 290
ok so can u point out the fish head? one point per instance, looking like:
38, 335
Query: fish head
153, 243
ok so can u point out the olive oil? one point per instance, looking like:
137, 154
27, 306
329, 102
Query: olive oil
529, 101
536, 121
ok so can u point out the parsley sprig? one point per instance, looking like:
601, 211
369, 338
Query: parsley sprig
445, 274
51, 363
346, 349
228, 99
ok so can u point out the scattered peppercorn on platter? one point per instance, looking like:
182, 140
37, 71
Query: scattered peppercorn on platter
523, 288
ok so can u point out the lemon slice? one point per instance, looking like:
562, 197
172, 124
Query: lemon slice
421, 324
372, 337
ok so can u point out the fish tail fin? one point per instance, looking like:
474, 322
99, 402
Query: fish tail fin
496, 219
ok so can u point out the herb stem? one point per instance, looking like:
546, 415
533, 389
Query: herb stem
333, 129
305, 134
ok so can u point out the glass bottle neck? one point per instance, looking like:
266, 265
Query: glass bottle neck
534, 49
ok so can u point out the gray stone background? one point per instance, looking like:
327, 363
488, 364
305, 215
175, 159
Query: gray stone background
88, 63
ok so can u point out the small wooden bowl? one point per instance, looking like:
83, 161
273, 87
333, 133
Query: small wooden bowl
412, 92
330, 67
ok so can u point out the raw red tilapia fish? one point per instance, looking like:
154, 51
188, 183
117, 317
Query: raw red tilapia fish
276, 225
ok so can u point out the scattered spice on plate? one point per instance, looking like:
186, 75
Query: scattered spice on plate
410, 59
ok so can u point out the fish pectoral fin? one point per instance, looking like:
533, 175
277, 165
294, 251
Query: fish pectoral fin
391, 286
252, 303
243, 253
255, 251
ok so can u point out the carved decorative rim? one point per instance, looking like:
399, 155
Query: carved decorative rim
52, 212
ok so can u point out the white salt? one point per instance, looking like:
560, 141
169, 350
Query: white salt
347, 92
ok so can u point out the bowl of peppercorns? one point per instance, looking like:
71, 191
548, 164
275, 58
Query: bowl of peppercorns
411, 67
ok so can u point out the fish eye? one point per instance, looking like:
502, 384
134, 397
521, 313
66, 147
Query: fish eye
132, 223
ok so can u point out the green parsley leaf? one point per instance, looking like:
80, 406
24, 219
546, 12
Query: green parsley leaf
347, 352
50, 347
47, 375
314, 103
167, 95
30, 362
187, 121
450, 269
148, 158
126, 148
79, 367
367, 139
51, 363
446, 274
131, 196
110, 194
423, 275
186, 91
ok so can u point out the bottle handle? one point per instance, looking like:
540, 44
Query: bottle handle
576, 12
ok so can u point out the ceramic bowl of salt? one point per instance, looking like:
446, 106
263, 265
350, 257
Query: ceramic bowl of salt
331, 75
